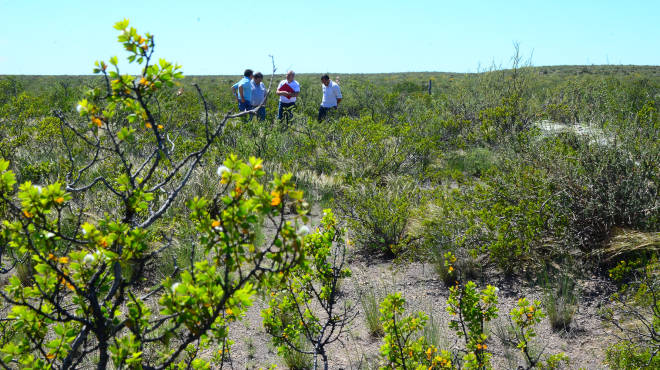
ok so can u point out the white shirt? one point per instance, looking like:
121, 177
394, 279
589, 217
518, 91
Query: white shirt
330, 95
294, 85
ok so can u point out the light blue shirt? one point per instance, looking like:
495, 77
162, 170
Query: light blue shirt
258, 93
247, 89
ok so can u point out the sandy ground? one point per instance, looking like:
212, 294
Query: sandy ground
420, 286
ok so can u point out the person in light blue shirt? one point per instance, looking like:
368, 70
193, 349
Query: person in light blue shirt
258, 95
242, 90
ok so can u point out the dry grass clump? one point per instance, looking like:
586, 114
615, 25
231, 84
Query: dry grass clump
625, 242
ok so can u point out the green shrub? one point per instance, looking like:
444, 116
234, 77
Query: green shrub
378, 213
626, 355
511, 216
472, 309
400, 350
634, 312
289, 319
524, 318
474, 162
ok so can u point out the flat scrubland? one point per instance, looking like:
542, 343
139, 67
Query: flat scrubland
508, 219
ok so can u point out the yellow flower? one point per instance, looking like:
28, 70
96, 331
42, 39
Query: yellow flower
50, 356
51, 257
228, 311
59, 200
97, 121
147, 125
27, 214
451, 268
215, 223
258, 166
64, 259
276, 201
276, 198
160, 127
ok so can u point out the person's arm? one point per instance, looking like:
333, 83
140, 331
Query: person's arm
240, 93
234, 87
338, 101
280, 92
338, 94
287, 94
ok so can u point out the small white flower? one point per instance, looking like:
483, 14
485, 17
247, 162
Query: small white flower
83, 231
79, 108
303, 230
497, 289
39, 188
174, 286
49, 235
221, 170
89, 259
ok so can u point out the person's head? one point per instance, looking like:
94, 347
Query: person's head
248, 73
325, 79
258, 77
290, 75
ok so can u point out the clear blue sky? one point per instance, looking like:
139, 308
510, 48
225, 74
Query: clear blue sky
355, 36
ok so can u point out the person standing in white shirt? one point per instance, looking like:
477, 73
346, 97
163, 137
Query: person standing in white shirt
288, 91
331, 96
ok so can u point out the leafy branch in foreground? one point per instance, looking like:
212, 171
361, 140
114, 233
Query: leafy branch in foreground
401, 348
635, 313
91, 238
308, 304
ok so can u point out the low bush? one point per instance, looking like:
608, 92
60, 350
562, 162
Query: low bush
378, 213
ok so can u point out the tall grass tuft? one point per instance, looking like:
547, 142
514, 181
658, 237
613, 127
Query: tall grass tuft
561, 302
370, 298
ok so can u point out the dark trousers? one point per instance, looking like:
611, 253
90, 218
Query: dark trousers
243, 106
323, 112
288, 107
261, 112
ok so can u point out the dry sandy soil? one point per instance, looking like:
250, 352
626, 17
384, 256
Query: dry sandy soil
423, 290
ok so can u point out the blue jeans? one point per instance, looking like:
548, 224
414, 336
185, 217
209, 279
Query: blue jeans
243, 106
261, 112
288, 107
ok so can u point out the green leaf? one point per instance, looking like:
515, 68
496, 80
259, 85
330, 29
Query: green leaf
121, 25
